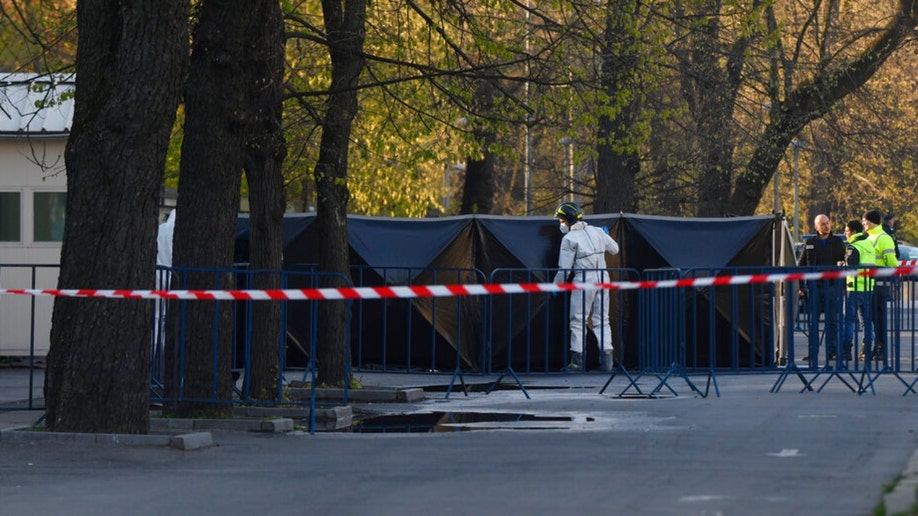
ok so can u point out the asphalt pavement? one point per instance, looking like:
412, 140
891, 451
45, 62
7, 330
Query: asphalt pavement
567, 449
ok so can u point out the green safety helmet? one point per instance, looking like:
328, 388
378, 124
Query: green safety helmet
569, 212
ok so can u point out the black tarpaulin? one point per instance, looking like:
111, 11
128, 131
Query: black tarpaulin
517, 242
425, 333
700, 242
402, 247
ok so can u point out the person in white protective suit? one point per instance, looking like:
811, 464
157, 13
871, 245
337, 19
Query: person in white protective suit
163, 263
164, 243
583, 259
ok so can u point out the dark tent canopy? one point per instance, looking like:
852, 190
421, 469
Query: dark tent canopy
486, 248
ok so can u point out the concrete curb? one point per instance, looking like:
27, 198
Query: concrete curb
187, 442
364, 395
181, 434
274, 426
904, 495
192, 441
326, 419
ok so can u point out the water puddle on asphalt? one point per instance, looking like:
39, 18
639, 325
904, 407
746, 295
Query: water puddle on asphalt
430, 422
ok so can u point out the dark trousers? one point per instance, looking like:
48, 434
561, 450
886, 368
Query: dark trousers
880, 301
824, 298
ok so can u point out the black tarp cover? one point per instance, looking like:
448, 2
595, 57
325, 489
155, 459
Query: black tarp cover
478, 248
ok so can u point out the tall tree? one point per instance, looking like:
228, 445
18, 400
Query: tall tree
345, 30
618, 161
479, 181
711, 75
265, 151
219, 114
130, 63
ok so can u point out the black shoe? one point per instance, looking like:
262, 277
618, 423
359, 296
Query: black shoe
576, 363
806, 358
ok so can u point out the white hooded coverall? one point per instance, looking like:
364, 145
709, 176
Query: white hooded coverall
584, 247
163, 259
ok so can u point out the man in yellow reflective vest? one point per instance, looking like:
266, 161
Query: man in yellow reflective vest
859, 254
885, 249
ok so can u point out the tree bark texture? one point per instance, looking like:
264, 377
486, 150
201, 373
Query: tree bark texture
264, 157
129, 71
711, 78
218, 118
617, 161
345, 32
478, 187
479, 183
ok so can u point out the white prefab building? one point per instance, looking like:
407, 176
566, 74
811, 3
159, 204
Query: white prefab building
36, 112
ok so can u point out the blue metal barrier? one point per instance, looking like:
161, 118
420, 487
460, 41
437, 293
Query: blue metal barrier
665, 333
860, 372
906, 336
303, 334
514, 318
529, 333
733, 326
664, 324
662, 333
26, 332
419, 335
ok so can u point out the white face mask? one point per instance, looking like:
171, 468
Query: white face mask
564, 229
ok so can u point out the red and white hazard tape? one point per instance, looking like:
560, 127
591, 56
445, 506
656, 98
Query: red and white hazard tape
424, 291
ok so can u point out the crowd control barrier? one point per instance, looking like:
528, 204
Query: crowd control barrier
235, 324
25, 329
698, 328
421, 335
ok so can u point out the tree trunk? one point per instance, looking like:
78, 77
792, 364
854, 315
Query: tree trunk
615, 171
478, 184
129, 71
710, 84
617, 161
218, 113
265, 152
345, 31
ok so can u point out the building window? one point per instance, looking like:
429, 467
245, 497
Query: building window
10, 218
49, 208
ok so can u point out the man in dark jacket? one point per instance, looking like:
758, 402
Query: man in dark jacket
889, 226
822, 250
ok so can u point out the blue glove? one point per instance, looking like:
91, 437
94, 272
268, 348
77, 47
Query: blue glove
605, 229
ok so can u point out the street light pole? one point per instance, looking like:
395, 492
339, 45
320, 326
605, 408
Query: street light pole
570, 170
796, 144
527, 168
568, 144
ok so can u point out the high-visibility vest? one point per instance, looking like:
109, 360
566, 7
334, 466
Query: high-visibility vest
884, 247
867, 258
